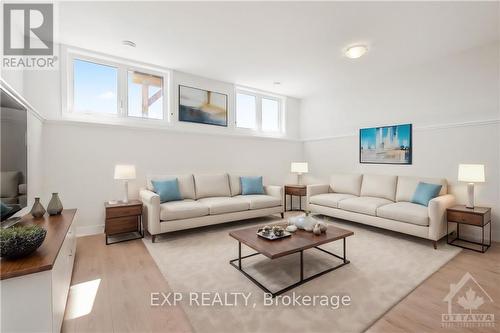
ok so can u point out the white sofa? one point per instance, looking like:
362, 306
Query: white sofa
382, 201
206, 200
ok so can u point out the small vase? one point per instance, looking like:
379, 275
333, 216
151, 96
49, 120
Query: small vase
37, 210
55, 206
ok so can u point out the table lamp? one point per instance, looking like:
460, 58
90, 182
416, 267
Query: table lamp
125, 172
299, 168
470, 173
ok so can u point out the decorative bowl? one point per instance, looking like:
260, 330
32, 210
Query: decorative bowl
20, 241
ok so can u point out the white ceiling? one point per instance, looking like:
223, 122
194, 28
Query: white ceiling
297, 43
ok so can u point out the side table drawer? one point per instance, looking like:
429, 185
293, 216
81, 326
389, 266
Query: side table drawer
123, 211
295, 191
465, 218
121, 224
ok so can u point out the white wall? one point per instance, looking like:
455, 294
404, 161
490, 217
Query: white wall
453, 104
78, 158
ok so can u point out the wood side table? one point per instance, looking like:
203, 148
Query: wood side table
297, 190
477, 217
122, 218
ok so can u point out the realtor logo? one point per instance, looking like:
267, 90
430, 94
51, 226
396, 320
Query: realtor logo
28, 29
467, 301
28, 36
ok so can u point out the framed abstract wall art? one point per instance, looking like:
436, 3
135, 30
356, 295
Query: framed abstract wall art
386, 145
202, 106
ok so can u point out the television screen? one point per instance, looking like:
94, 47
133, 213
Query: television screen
13, 159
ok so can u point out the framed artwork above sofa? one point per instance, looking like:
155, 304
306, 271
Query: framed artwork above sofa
386, 145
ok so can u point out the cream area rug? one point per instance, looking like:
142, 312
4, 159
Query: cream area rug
384, 267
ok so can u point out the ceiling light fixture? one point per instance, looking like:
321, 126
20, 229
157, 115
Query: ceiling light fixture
128, 43
276, 83
356, 51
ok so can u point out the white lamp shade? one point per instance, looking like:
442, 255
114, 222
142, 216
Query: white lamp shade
471, 173
124, 171
299, 167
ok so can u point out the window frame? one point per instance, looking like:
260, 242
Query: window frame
123, 67
259, 95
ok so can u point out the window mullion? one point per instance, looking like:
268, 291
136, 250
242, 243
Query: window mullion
258, 114
122, 91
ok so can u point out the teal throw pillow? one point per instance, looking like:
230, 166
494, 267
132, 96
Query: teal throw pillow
167, 189
425, 192
251, 185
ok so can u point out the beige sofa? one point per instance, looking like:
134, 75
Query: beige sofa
382, 201
206, 200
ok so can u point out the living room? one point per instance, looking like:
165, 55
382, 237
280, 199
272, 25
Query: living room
165, 141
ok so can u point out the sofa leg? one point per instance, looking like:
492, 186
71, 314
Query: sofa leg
153, 238
435, 245
282, 215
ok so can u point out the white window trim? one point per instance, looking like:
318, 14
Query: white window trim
259, 95
123, 66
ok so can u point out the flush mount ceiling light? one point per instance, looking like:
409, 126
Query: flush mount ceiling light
276, 83
128, 43
355, 51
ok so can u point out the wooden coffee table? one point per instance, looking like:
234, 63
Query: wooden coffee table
297, 243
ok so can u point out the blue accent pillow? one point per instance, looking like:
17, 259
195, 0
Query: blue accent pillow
251, 185
167, 189
425, 192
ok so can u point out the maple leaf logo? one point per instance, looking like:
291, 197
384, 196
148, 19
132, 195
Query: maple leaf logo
470, 301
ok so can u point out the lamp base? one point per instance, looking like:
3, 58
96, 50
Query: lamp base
470, 196
125, 198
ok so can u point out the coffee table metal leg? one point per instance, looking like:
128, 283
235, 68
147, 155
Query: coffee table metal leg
302, 279
239, 255
301, 265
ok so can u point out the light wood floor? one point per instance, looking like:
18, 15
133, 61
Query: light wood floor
128, 275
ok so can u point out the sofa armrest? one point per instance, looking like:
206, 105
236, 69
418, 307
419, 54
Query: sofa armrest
151, 211
437, 215
315, 189
274, 191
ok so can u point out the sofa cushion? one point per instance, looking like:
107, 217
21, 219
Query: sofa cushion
346, 183
407, 186
405, 212
380, 186
329, 199
222, 205
260, 201
9, 184
185, 209
186, 184
216, 185
363, 205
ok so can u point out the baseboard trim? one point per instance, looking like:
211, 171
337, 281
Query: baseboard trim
89, 230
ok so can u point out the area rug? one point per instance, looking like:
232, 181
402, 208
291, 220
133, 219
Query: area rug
384, 267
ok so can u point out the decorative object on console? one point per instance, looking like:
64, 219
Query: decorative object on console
55, 206
425, 192
299, 168
317, 229
202, 106
251, 185
386, 145
20, 241
37, 210
471, 173
125, 172
291, 228
168, 189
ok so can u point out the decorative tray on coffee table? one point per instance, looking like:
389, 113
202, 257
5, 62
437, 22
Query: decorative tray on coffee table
272, 236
